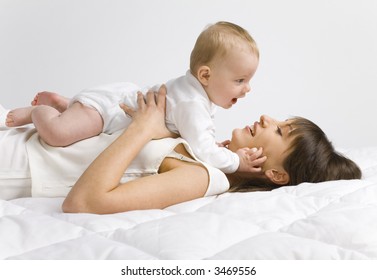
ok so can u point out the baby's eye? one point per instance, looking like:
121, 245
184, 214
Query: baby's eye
240, 81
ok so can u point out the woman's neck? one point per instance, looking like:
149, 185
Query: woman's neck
238, 177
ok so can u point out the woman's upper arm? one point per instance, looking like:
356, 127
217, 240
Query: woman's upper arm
182, 183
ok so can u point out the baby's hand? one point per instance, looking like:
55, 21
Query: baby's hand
251, 160
223, 144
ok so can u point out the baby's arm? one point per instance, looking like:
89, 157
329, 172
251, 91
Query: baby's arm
224, 143
195, 124
251, 160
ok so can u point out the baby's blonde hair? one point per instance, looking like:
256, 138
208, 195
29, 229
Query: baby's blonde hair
216, 40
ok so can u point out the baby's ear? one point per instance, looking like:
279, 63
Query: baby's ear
278, 177
204, 72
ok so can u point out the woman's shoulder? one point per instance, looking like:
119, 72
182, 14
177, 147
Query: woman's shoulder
218, 181
153, 153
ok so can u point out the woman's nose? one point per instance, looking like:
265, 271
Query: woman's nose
265, 120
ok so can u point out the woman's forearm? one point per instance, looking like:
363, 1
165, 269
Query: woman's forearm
108, 168
97, 188
105, 172
148, 122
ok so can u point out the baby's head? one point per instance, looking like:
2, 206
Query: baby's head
224, 59
217, 40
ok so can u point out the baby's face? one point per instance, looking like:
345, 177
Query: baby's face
230, 76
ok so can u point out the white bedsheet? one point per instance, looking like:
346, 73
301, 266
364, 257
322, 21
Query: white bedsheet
331, 220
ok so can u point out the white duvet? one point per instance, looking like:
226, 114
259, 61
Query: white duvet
331, 220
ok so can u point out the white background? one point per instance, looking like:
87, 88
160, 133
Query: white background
318, 58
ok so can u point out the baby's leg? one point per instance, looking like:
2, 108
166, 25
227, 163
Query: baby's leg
19, 116
76, 123
22, 116
52, 99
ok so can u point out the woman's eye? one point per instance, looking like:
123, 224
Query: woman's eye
278, 131
240, 81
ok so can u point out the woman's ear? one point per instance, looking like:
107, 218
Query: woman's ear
277, 177
203, 74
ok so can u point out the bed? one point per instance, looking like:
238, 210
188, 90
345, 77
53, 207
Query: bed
330, 220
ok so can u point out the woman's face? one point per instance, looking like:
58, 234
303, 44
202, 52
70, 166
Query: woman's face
270, 134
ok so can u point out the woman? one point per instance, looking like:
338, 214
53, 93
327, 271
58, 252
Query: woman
297, 151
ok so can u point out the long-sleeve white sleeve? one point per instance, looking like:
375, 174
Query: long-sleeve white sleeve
195, 124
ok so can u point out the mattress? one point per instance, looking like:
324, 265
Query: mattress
330, 220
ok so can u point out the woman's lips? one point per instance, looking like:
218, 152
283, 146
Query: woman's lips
248, 128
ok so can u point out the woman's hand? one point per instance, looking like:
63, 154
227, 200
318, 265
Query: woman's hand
150, 115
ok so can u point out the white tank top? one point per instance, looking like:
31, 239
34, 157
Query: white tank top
54, 170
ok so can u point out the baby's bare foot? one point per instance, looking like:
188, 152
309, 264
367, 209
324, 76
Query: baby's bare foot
52, 99
19, 116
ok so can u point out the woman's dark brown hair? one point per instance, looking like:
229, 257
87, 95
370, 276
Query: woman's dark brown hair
310, 158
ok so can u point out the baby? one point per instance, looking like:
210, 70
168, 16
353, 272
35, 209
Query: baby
222, 63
